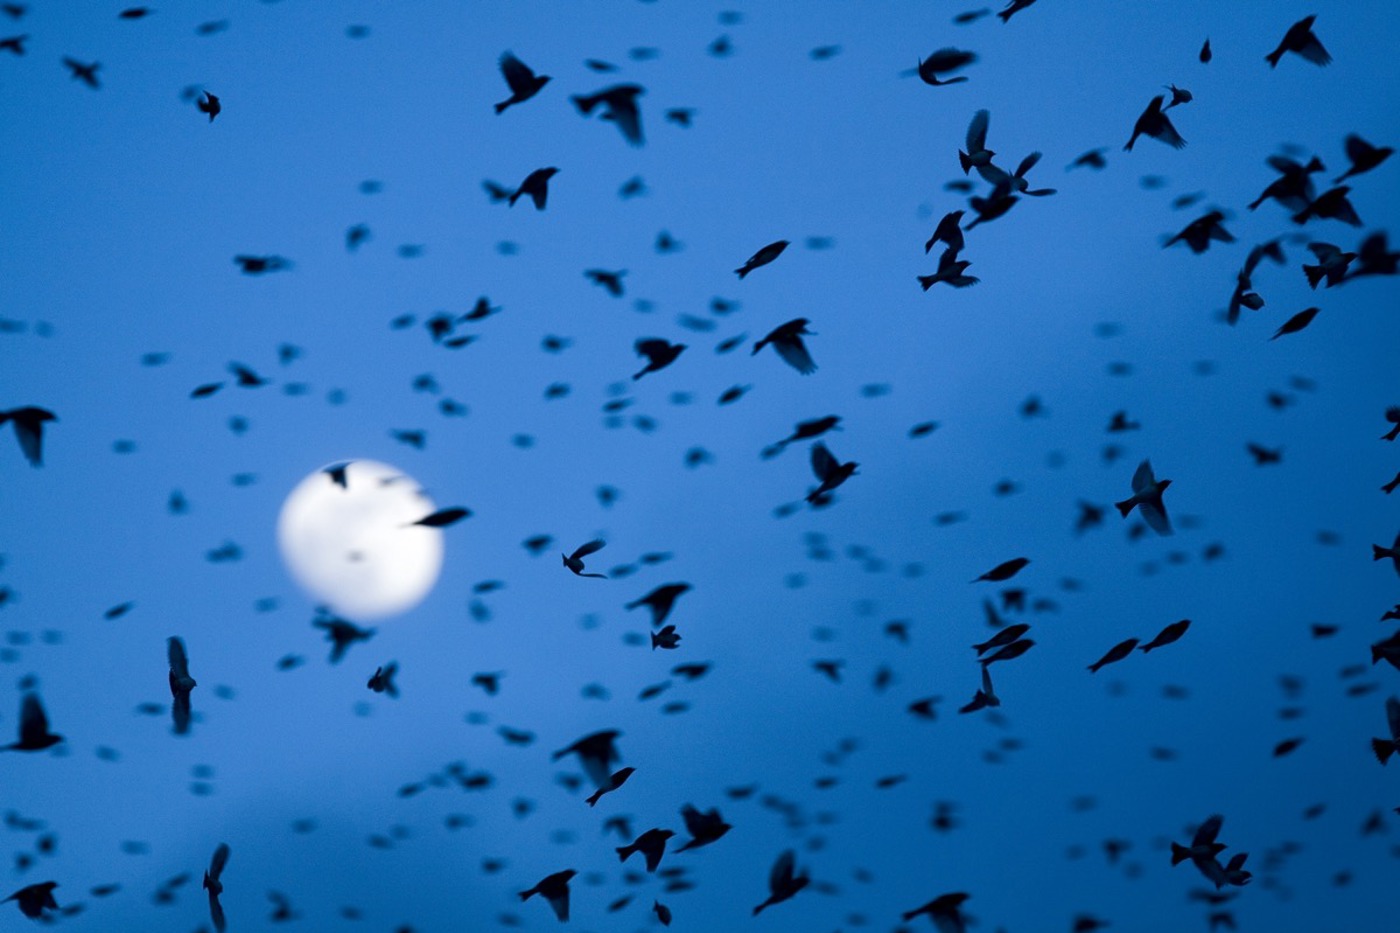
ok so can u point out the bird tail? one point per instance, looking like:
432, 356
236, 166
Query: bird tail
1094, 668
1381, 553
1147, 647
502, 106
1273, 57
1302, 216
1124, 507
623, 852
584, 104
1314, 165
526, 895
965, 161
1314, 274
743, 271
1383, 749
1179, 853
926, 281
1004, 16
595, 797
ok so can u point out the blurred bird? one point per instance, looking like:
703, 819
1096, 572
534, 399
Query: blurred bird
1199, 233
34, 734
984, 697
786, 339
977, 155
1205, 55
1147, 499
652, 845
554, 889
762, 258
210, 105
783, 881
536, 185
610, 281
13, 44
704, 826
382, 680
1008, 653
86, 73
1012, 8
945, 911
1204, 847
1332, 204
950, 272
215, 887
941, 62
524, 83
1016, 183
1004, 570
1004, 637
1300, 40
1117, 653
442, 518
1296, 323
1155, 123
597, 753
1384, 748
660, 601
667, 637
1331, 264
948, 232
1363, 156
1092, 159
1179, 96
1167, 635
658, 353
181, 683
29, 430
574, 561
341, 634
34, 899
829, 471
1392, 552
619, 105
615, 780
1293, 188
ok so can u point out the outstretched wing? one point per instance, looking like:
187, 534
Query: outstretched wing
823, 463
780, 876
628, 119
216, 913
33, 724
694, 819
977, 131
1143, 478
1208, 830
1169, 135
179, 661
794, 353
1156, 517
517, 74
584, 550
219, 860
1027, 164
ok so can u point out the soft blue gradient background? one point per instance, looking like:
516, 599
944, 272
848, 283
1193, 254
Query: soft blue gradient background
120, 212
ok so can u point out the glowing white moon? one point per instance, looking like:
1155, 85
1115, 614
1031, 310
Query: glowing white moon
354, 548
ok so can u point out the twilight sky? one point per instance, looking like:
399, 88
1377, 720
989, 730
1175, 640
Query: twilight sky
122, 209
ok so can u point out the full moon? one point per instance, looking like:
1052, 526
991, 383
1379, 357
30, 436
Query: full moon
353, 546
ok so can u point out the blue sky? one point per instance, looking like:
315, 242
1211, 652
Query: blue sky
122, 211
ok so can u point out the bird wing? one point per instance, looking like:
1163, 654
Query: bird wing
780, 876
1313, 51
1027, 164
33, 724
181, 713
30, 436
1207, 831
1357, 148
216, 913
823, 463
651, 348
218, 861
590, 547
1156, 517
1143, 478
517, 74
694, 820
794, 353
560, 903
1168, 134
179, 661
628, 119
977, 131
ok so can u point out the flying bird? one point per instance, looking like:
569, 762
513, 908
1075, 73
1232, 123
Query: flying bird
951, 271
948, 232
181, 684
660, 601
704, 826
442, 518
84, 72
829, 471
341, 634
783, 881
536, 185
597, 753
524, 83
1199, 233
34, 734
1155, 123
786, 339
619, 105
945, 911
977, 156
1117, 653
1363, 156
652, 845
574, 561
941, 62
215, 887
29, 430
762, 258
1004, 571
1392, 552
1301, 40
1147, 499
615, 780
210, 104
1167, 635
34, 899
658, 353
1296, 323
382, 680
554, 889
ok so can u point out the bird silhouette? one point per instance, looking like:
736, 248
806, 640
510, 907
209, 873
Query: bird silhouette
29, 430
786, 339
554, 889
215, 886
661, 601
34, 734
524, 83
181, 684
619, 104
1147, 499
829, 471
574, 561
784, 882
1300, 40
210, 104
762, 258
34, 899
536, 185
83, 71
652, 845
1155, 123
341, 634
658, 353
597, 753
704, 826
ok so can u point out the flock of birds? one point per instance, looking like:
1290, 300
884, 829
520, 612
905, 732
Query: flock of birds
597, 753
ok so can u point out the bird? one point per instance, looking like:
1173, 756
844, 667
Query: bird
1205, 55
1332, 204
29, 430
829, 471
1300, 40
619, 105
1012, 8
1204, 846
1004, 637
1293, 188
762, 258
257, 265
13, 44
948, 232
783, 881
442, 518
1008, 653
181, 683
786, 339
1147, 499
1155, 123
666, 637
574, 561
1363, 156
1004, 570
1117, 653
1179, 96
336, 472
536, 185
209, 104
1166, 636
34, 734
977, 155
652, 845
84, 72
984, 697
34, 899
615, 780
1199, 233
382, 680
554, 889
941, 61
215, 886
950, 272
524, 83
1016, 183
658, 353
945, 911
341, 634
1296, 323
610, 281
597, 753
1384, 748
660, 601
1392, 552
704, 826
1331, 264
